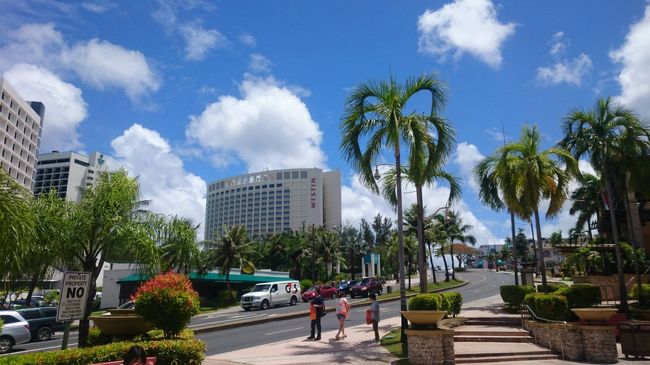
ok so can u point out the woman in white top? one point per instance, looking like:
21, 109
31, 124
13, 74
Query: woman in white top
342, 312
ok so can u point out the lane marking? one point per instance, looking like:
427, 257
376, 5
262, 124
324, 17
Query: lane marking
289, 330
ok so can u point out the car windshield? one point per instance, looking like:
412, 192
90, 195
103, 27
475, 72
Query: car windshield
354, 282
365, 281
262, 287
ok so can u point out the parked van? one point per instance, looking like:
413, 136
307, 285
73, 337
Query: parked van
276, 293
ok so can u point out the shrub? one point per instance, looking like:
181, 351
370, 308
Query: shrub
305, 284
225, 298
340, 277
454, 301
548, 306
1, 324
167, 352
426, 302
97, 338
644, 298
460, 269
168, 302
581, 295
550, 287
513, 295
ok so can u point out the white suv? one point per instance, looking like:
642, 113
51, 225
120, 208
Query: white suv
15, 330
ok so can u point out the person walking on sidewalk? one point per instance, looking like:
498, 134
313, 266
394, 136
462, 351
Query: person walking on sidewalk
342, 312
374, 309
316, 312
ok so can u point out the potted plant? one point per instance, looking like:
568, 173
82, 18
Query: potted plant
425, 310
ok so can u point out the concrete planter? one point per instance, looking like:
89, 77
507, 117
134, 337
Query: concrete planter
595, 314
424, 317
122, 325
434, 347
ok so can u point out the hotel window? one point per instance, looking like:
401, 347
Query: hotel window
294, 174
303, 174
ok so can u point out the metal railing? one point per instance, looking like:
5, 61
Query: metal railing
527, 314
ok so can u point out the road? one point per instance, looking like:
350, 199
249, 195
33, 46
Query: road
482, 284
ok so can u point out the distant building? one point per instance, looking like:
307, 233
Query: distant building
274, 201
67, 172
21, 124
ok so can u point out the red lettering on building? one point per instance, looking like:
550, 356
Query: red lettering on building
314, 193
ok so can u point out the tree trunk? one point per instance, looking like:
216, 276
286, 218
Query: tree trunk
532, 232
514, 248
634, 226
400, 241
433, 268
591, 238
84, 323
619, 258
444, 260
451, 256
30, 289
540, 248
422, 260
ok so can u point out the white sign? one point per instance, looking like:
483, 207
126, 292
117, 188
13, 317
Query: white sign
73, 296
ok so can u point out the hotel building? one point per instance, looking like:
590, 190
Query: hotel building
21, 124
67, 172
274, 201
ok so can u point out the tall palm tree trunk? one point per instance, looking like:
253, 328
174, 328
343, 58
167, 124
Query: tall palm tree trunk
591, 238
444, 260
540, 248
228, 281
451, 256
532, 235
422, 260
514, 248
433, 268
400, 242
617, 248
634, 227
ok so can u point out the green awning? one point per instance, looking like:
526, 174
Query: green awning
234, 278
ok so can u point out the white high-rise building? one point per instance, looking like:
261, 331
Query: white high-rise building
21, 124
67, 172
274, 201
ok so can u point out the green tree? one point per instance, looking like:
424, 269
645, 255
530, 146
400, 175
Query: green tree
615, 141
232, 248
17, 226
329, 249
529, 175
382, 228
457, 231
353, 246
107, 226
586, 202
375, 114
176, 238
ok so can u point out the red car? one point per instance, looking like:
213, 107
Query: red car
326, 291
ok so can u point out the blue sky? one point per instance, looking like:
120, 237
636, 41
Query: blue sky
182, 93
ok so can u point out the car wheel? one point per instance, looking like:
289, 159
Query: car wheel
351, 296
265, 305
6, 343
247, 309
294, 301
44, 333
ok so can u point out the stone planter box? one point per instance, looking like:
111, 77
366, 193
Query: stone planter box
609, 283
596, 344
595, 314
434, 347
122, 325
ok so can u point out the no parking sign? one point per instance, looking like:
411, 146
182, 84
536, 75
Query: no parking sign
74, 294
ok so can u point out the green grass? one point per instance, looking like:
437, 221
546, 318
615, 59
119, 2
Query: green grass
392, 342
415, 289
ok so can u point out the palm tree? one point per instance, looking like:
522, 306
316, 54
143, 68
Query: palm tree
438, 234
329, 250
613, 138
375, 114
232, 248
457, 231
353, 246
587, 202
529, 175
178, 245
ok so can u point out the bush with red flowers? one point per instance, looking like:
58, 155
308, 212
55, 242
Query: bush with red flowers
167, 301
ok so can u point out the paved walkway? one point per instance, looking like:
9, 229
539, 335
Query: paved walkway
360, 348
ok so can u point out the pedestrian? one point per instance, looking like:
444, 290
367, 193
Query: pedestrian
374, 309
316, 312
135, 356
342, 312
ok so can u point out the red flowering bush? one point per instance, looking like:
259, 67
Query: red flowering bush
167, 301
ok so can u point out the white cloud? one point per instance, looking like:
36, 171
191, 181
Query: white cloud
268, 127
97, 7
467, 156
65, 107
259, 63
634, 57
497, 134
199, 41
162, 176
248, 40
103, 64
564, 69
98, 63
464, 26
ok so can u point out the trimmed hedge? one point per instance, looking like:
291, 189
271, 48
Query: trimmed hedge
644, 298
167, 352
548, 306
450, 302
305, 284
550, 287
513, 295
581, 295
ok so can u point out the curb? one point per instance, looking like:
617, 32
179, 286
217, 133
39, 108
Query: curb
220, 327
